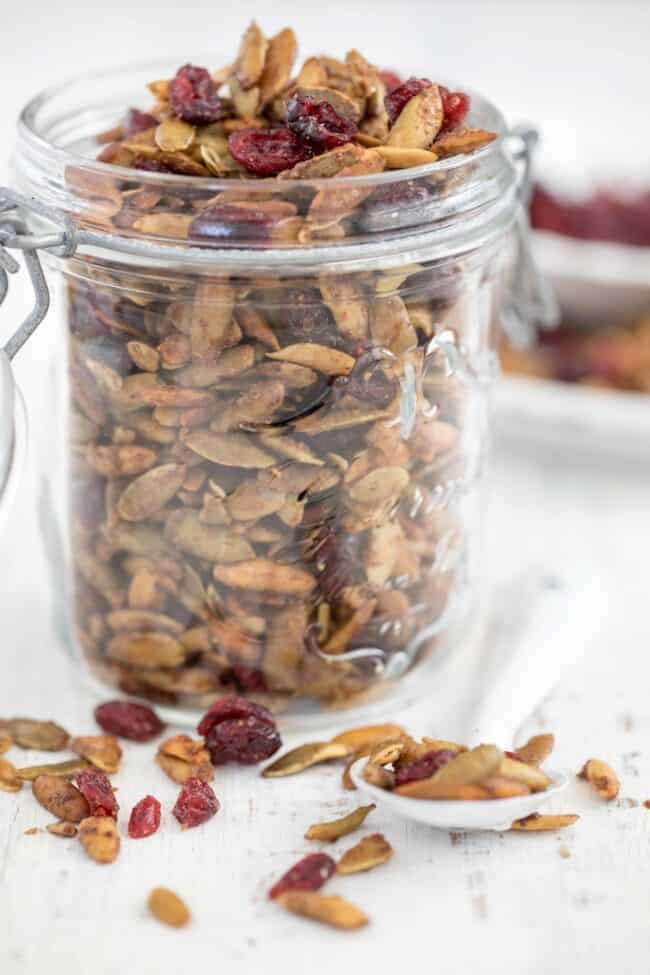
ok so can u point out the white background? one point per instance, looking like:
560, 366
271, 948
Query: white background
507, 904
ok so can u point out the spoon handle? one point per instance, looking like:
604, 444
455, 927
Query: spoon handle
536, 635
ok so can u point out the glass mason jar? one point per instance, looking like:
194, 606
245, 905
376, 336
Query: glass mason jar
267, 434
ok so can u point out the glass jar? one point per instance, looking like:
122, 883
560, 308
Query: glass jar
266, 445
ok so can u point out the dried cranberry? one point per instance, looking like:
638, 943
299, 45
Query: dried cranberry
231, 708
196, 804
150, 165
602, 216
318, 124
399, 97
424, 767
305, 316
245, 741
513, 756
390, 79
250, 678
97, 790
145, 818
455, 105
267, 153
126, 719
224, 221
136, 121
570, 365
310, 873
339, 562
367, 381
411, 193
193, 96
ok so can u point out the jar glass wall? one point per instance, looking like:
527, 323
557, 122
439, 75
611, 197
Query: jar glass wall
267, 457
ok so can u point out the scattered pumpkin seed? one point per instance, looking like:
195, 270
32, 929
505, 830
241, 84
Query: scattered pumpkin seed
168, 908
369, 852
328, 909
99, 837
64, 769
541, 822
45, 736
62, 829
10, 780
602, 777
304, 756
60, 797
102, 751
329, 832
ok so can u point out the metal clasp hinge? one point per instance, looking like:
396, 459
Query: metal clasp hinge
14, 235
531, 303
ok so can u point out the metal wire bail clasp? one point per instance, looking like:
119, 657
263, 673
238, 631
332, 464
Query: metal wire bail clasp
14, 235
531, 302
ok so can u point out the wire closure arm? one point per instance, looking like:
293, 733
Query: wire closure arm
14, 235
531, 303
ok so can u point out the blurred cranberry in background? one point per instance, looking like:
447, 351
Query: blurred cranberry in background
618, 218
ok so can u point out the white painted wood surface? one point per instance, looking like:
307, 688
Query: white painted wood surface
450, 904
483, 903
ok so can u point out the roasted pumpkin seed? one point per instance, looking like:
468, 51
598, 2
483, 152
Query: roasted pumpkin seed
99, 837
168, 908
602, 777
332, 910
304, 756
329, 832
369, 852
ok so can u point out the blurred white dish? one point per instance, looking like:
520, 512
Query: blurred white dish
573, 416
595, 281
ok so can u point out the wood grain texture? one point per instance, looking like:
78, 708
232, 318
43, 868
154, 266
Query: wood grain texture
481, 903
446, 903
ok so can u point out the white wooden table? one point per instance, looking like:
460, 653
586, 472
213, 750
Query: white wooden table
509, 904
480, 903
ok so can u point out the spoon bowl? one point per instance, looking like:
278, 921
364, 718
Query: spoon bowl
494, 814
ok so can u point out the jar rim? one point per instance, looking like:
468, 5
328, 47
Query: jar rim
28, 126
46, 150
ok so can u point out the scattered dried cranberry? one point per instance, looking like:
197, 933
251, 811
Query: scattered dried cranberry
391, 80
196, 804
126, 719
310, 873
398, 97
224, 221
193, 96
318, 124
231, 708
242, 740
145, 818
97, 790
455, 105
136, 121
267, 153
423, 768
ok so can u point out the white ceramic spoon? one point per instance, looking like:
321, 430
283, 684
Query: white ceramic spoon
533, 638
495, 814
